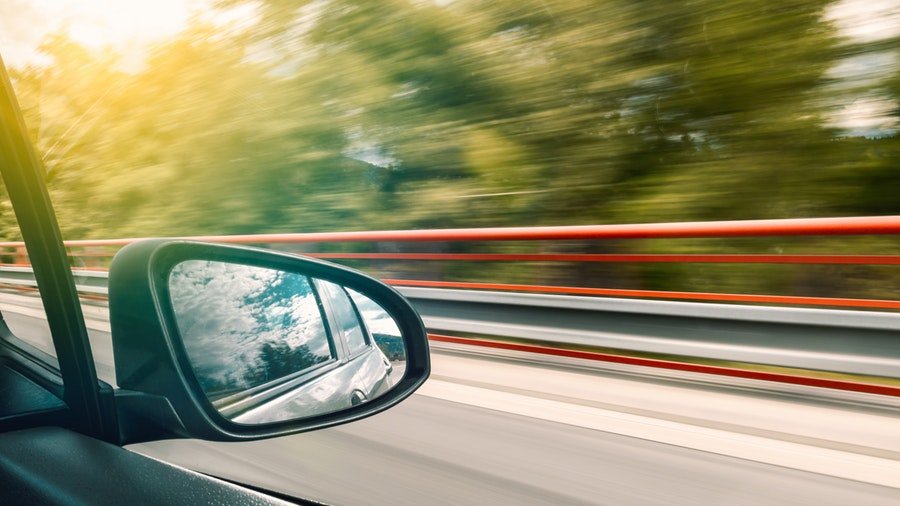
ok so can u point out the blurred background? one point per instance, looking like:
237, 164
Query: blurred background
222, 117
230, 117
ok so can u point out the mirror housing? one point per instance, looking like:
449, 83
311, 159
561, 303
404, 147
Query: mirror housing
158, 386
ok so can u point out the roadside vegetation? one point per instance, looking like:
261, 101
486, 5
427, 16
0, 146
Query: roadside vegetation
340, 115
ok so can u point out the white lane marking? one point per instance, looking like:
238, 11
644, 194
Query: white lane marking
102, 326
836, 463
34, 302
685, 403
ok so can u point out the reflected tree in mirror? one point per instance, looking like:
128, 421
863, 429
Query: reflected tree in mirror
268, 345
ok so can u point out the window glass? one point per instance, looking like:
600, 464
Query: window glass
347, 318
244, 326
20, 302
382, 327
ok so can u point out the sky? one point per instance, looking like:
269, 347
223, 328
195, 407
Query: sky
133, 26
130, 26
867, 21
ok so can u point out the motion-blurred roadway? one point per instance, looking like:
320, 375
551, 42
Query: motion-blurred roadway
519, 429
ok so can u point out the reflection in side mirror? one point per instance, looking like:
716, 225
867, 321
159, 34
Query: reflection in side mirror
267, 345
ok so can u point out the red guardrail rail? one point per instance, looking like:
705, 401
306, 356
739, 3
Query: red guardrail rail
733, 372
95, 253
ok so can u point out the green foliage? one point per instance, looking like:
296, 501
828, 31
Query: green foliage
501, 113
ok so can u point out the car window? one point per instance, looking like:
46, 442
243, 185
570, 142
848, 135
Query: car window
20, 303
380, 325
347, 318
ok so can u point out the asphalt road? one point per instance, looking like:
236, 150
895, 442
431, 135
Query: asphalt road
496, 430
430, 451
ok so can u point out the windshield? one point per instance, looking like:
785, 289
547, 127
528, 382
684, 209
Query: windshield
237, 118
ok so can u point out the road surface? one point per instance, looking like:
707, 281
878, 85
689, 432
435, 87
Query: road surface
515, 430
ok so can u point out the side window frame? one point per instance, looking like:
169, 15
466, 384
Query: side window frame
332, 322
349, 354
321, 303
367, 341
367, 334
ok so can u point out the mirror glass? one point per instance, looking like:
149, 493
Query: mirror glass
268, 345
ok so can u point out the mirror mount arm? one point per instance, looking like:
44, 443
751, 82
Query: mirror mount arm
144, 417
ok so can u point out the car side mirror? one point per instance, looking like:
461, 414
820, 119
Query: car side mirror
235, 343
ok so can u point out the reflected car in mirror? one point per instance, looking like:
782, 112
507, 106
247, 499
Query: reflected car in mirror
268, 345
